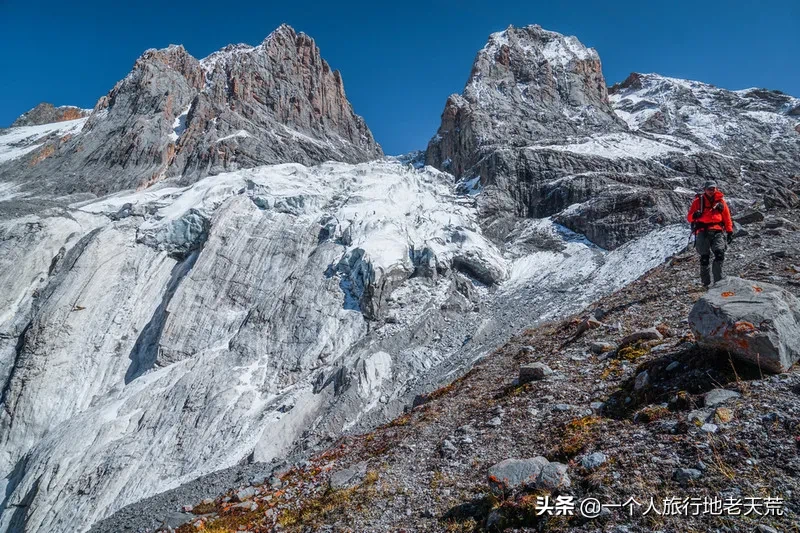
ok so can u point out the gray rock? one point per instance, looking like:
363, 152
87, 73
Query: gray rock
709, 428
349, 477
533, 371
593, 460
754, 321
673, 366
700, 416
762, 528
749, 217
245, 493
495, 422
686, 474
511, 474
553, 477
649, 334
719, 396
601, 347
642, 381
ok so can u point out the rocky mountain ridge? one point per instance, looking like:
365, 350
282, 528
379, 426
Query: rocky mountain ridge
46, 113
173, 116
538, 132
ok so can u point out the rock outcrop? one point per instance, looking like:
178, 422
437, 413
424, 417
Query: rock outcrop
755, 321
537, 132
45, 113
175, 116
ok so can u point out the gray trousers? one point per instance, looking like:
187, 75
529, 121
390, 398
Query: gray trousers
709, 242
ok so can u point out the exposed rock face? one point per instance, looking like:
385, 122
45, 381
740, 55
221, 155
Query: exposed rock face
754, 321
45, 113
176, 116
537, 132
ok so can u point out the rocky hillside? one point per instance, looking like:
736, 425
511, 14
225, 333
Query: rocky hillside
536, 130
615, 402
175, 116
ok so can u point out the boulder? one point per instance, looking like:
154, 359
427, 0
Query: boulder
533, 371
349, 477
780, 198
593, 461
511, 474
649, 334
753, 321
749, 217
538, 473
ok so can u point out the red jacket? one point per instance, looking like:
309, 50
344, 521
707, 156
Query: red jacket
715, 213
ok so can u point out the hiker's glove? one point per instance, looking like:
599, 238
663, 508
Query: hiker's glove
719, 207
696, 215
730, 238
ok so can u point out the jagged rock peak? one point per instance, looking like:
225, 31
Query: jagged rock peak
534, 40
46, 113
176, 116
527, 86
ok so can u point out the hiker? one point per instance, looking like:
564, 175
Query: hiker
713, 229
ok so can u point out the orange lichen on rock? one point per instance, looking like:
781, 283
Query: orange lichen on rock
743, 327
757, 288
728, 294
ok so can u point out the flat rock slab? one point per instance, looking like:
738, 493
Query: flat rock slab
349, 477
719, 396
753, 321
650, 334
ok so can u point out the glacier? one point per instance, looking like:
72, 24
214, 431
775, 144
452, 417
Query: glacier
185, 329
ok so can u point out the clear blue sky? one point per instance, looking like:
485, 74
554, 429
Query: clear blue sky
399, 60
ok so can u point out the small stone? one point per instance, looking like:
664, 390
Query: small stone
650, 334
686, 474
208, 501
673, 366
245, 494
596, 405
761, 528
533, 371
448, 448
642, 381
723, 415
562, 407
593, 460
709, 428
601, 347
495, 422
586, 325
719, 396
187, 508
700, 416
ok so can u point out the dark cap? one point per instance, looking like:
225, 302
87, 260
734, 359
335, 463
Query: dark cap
710, 183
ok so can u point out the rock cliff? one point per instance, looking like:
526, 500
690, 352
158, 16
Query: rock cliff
173, 116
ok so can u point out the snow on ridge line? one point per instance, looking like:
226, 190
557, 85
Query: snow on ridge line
17, 141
